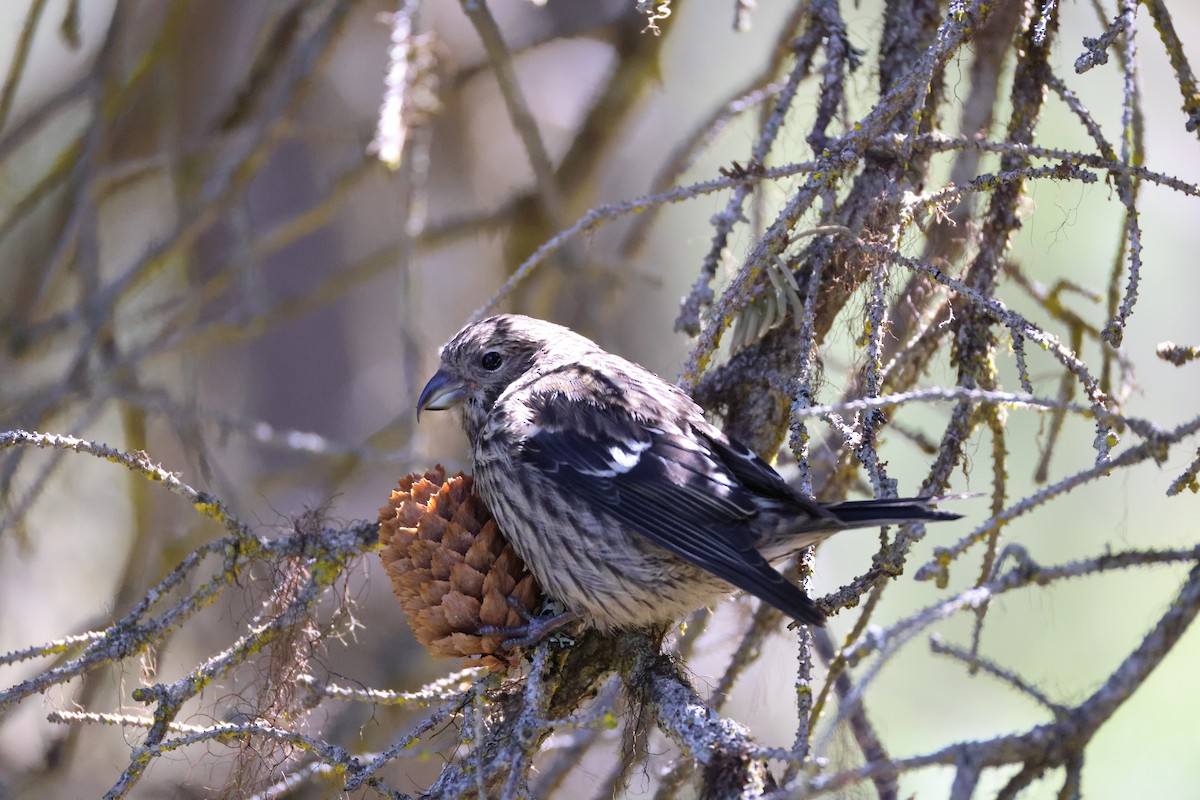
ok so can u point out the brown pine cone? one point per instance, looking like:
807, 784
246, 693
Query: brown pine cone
452, 569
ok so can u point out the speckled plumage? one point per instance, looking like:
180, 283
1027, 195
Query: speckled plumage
625, 503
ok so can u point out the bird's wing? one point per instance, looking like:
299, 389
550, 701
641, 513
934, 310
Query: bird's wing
688, 492
757, 475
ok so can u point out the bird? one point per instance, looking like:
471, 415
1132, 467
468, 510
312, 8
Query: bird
628, 506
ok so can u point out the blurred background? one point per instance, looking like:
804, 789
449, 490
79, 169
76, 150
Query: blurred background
201, 258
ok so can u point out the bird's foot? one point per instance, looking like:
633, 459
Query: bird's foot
535, 628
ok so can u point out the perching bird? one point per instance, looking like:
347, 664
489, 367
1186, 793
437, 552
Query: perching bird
625, 503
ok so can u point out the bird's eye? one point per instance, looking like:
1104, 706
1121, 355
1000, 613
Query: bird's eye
491, 360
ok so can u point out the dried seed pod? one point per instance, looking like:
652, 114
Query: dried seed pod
452, 569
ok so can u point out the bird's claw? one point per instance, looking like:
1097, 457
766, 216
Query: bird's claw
535, 628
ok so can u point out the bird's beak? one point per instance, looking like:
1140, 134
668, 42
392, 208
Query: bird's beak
443, 391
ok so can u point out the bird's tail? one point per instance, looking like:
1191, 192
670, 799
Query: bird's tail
864, 513
790, 536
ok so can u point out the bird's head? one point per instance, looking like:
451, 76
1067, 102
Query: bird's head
484, 358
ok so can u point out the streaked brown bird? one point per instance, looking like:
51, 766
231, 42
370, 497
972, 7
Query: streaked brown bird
626, 504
